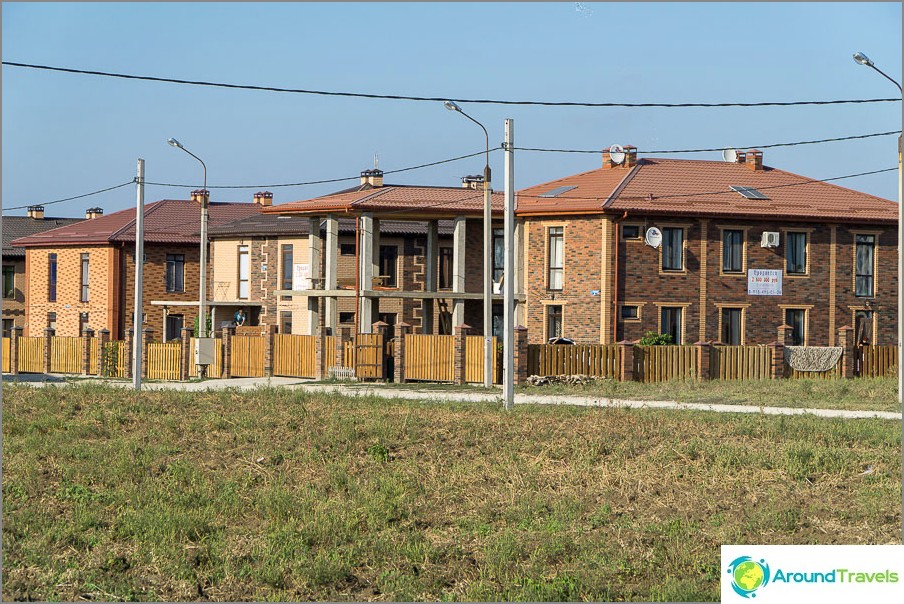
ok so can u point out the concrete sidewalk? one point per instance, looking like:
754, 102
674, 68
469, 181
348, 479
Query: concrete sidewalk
426, 393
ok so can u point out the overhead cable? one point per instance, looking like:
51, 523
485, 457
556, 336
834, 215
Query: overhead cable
48, 203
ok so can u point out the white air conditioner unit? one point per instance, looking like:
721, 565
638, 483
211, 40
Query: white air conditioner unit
770, 239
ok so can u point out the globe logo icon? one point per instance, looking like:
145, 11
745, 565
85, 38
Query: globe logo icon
748, 575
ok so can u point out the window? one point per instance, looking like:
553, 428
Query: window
174, 325
672, 249
731, 326
244, 273
9, 281
287, 267
796, 254
671, 322
630, 231
863, 327
84, 297
445, 323
82, 322
347, 249
389, 255
8, 325
796, 318
498, 254
553, 321
866, 249
732, 251
346, 317
445, 268
175, 272
51, 320
556, 251
498, 320
285, 322
630, 312
51, 277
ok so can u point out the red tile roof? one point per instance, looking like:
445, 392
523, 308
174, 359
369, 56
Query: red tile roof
166, 221
591, 191
406, 201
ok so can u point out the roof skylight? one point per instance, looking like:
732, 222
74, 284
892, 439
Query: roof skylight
748, 192
556, 192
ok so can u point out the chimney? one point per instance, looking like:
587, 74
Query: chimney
374, 178
200, 195
741, 157
754, 159
92, 213
264, 198
472, 182
630, 156
36, 212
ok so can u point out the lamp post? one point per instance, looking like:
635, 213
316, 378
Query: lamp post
862, 59
202, 304
488, 355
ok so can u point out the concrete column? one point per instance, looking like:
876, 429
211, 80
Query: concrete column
368, 257
460, 352
315, 247
269, 333
48, 343
103, 338
330, 271
627, 360
187, 353
703, 360
458, 269
146, 334
15, 334
402, 331
87, 341
518, 244
846, 341
228, 332
130, 339
431, 253
520, 365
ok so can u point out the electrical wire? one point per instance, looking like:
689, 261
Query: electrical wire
48, 203
399, 97
774, 145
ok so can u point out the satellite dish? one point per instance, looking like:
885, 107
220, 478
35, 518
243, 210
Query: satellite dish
653, 238
730, 155
616, 154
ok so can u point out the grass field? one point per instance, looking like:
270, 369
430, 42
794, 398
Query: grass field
282, 495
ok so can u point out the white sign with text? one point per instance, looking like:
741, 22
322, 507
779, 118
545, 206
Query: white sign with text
301, 277
762, 282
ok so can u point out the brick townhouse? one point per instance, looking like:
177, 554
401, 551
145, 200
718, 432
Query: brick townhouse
743, 248
15, 227
420, 256
83, 275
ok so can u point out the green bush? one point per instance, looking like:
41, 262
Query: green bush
651, 338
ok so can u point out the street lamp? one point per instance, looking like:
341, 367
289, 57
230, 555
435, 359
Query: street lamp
202, 304
487, 258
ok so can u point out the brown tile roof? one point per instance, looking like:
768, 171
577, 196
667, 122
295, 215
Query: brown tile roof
590, 192
166, 221
397, 199
15, 227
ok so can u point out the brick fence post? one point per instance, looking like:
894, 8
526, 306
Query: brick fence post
130, 345
87, 341
269, 333
459, 368
227, 352
48, 344
15, 334
847, 357
626, 372
402, 331
777, 371
784, 333
319, 354
103, 337
187, 353
521, 368
146, 335
703, 360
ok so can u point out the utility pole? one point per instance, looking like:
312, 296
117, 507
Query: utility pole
489, 355
508, 280
139, 279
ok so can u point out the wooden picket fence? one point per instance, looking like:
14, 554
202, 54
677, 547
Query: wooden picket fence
214, 371
248, 356
740, 363
7, 345
474, 355
93, 347
598, 360
429, 358
294, 356
663, 363
876, 361
114, 361
31, 355
164, 360
65, 354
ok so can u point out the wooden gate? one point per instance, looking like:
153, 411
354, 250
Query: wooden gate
6, 351
164, 360
294, 356
213, 371
876, 361
248, 356
370, 356
474, 354
65, 354
31, 355
663, 363
429, 358
740, 363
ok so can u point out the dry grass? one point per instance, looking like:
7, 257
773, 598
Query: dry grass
282, 495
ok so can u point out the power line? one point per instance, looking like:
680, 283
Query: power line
48, 203
658, 152
398, 97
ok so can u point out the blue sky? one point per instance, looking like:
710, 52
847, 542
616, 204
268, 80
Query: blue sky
65, 135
